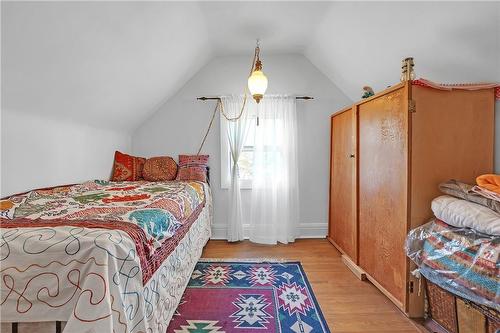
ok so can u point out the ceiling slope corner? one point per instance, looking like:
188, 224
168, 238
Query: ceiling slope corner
327, 74
319, 62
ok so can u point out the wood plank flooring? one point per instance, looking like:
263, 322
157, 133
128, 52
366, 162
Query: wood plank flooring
348, 304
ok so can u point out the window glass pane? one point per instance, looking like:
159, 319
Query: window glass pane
245, 164
271, 131
250, 139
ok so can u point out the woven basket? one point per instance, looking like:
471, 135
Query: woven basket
442, 307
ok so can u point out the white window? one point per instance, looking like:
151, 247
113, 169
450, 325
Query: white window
267, 163
265, 145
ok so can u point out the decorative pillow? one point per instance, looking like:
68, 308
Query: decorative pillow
193, 167
159, 169
127, 167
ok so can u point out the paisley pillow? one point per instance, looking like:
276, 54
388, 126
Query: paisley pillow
127, 167
193, 167
159, 169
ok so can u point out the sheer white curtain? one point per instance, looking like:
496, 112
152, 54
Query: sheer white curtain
236, 132
274, 207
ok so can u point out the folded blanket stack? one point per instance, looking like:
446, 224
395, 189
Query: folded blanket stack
471, 193
459, 250
467, 206
460, 260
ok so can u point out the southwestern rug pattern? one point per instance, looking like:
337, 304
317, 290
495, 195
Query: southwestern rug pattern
246, 296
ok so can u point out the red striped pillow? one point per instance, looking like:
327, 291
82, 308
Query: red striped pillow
193, 167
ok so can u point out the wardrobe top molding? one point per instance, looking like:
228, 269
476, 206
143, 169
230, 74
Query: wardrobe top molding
381, 93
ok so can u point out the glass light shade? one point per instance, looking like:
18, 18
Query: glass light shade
257, 84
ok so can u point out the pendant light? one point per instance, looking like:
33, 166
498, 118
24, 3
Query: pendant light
257, 82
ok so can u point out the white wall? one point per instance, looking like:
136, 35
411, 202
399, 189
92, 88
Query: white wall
179, 125
40, 152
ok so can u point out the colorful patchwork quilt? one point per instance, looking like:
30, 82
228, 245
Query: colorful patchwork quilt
459, 260
157, 207
103, 256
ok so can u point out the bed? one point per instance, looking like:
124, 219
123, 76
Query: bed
100, 256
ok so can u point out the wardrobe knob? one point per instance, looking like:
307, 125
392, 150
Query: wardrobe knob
352, 156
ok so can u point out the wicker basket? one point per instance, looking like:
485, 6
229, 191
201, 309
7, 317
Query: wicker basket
456, 315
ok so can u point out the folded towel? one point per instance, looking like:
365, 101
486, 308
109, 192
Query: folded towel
471, 193
465, 214
490, 182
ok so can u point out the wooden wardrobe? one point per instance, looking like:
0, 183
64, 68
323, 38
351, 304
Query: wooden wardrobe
388, 154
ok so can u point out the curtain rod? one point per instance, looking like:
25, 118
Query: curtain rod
204, 98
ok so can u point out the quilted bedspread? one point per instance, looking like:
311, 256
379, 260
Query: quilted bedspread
157, 207
103, 256
459, 260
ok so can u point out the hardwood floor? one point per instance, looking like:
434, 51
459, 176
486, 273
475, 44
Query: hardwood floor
348, 304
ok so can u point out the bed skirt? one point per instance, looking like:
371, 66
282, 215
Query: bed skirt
181, 261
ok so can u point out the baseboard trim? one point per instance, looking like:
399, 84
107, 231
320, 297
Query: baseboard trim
306, 230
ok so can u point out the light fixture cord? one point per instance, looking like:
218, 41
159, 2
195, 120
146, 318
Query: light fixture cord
209, 126
221, 105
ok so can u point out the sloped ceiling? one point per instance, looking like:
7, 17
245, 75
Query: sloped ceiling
108, 64
360, 44
111, 64
283, 27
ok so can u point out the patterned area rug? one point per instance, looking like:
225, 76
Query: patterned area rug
246, 296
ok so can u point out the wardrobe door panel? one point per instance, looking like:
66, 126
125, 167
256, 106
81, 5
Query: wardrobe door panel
383, 179
342, 187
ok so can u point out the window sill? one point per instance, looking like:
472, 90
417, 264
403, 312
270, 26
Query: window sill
244, 185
